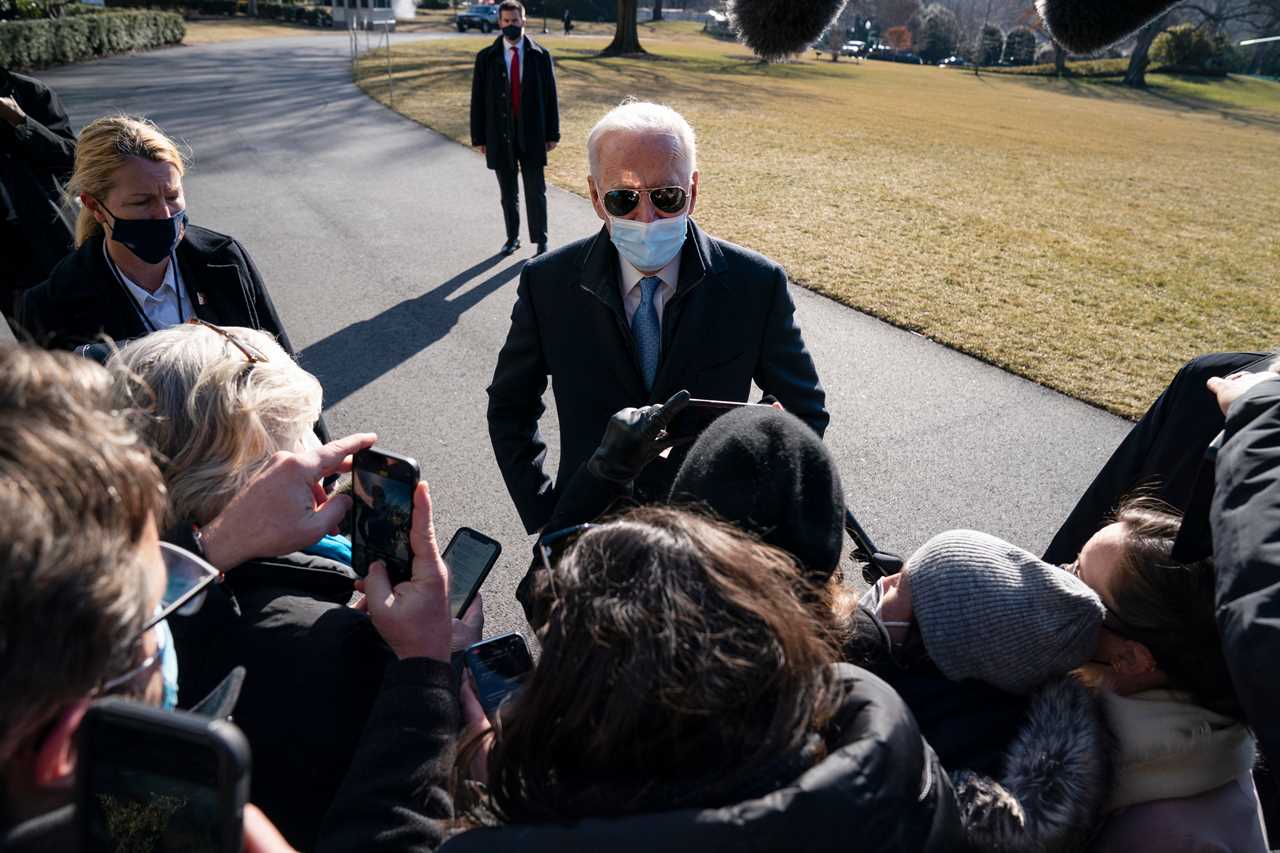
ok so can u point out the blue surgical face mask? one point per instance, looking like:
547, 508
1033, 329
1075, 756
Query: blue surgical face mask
168, 665
152, 240
649, 246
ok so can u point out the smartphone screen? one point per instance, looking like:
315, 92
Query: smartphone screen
499, 667
156, 782
470, 556
383, 485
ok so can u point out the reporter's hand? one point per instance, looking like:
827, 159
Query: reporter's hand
469, 630
261, 835
484, 149
474, 722
284, 508
1229, 389
635, 437
413, 617
551, 146
11, 112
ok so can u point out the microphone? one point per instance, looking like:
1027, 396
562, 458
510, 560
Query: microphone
777, 28
1083, 26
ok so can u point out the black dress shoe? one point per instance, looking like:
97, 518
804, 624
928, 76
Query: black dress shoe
542, 249
511, 245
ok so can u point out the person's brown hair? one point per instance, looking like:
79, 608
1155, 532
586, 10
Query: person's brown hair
1169, 606
104, 146
678, 655
511, 6
77, 491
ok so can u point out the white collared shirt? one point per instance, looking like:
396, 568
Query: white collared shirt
162, 307
506, 55
630, 284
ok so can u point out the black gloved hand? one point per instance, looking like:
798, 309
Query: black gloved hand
634, 438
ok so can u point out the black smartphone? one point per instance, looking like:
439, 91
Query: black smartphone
383, 485
155, 780
470, 555
499, 667
700, 414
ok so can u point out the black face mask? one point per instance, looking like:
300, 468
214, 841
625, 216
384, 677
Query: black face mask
152, 240
512, 32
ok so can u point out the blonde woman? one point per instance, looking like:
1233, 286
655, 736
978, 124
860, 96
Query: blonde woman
216, 404
138, 265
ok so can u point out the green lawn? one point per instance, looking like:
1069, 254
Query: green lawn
1075, 232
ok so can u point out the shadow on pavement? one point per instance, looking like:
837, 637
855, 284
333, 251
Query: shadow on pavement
356, 355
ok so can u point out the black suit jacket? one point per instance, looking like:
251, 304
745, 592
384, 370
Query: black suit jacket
492, 124
81, 300
731, 320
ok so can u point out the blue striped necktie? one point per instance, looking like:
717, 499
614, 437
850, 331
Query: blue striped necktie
647, 330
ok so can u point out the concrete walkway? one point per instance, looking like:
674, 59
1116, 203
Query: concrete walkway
377, 238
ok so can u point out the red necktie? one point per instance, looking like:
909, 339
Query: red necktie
515, 80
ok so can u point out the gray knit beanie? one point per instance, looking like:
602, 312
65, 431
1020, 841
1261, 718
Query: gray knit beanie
991, 611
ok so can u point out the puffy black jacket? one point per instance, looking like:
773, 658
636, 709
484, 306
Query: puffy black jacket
880, 788
1246, 554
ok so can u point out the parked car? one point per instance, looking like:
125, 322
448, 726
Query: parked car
954, 61
853, 48
483, 16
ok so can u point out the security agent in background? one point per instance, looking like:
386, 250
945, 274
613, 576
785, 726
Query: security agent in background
646, 307
515, 121
37, 154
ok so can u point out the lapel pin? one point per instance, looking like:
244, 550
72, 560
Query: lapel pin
200, 298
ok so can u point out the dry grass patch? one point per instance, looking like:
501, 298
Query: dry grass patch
240, 28
1079, 234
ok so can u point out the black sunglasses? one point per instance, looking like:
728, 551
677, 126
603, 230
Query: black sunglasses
665, 199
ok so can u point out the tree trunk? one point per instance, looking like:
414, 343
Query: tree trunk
657, 10
626, 37
1059, 59
1136, 76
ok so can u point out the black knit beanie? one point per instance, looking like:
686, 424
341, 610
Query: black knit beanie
767, 472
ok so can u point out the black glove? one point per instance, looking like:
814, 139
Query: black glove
634, 438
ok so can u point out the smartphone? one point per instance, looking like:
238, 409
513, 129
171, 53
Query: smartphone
499, 667
470, 555
700, 414
155, 780
383, 513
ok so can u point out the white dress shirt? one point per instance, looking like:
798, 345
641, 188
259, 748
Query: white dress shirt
630, 283
162, 307
506, 56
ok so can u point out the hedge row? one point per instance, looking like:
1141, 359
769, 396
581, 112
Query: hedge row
315, 15
54, 41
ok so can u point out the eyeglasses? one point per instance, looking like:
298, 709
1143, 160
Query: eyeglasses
188, 580
557, 542
666, 199
251, 353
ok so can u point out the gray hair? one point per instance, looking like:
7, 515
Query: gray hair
215, 419
637, 117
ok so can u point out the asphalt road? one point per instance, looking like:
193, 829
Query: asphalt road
377, 240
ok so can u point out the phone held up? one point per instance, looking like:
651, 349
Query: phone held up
470, 555
148, 779
383, 512
499, 666
697, 415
